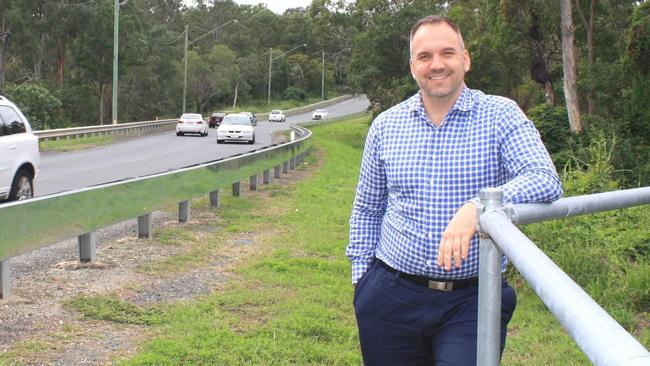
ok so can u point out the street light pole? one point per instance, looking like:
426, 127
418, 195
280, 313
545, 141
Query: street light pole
322, 87
322, 81
268, 95
115, 54
271, 58
185, 68
187, 43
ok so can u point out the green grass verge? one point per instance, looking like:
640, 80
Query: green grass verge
290, 304
73, 144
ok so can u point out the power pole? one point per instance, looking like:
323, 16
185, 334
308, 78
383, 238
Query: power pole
116, 25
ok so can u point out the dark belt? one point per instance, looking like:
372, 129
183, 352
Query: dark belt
432, 283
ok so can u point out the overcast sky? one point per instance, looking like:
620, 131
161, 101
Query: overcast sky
277, 6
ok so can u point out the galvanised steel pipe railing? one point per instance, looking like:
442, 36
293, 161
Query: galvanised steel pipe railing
600, 337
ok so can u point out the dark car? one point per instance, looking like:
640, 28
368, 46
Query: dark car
215, 119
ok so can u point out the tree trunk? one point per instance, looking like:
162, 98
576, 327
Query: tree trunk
569, 66
550, 94
589, 27
38, 63
234, 102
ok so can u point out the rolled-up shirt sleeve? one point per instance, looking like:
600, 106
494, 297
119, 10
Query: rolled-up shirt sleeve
369, 207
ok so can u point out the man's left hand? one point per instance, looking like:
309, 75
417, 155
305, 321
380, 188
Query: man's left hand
454, 245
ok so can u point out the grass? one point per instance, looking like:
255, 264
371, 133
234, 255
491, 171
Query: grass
73, 144
290, 302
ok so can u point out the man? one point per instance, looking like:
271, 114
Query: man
413, 246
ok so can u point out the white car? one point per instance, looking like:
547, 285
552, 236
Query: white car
236, 127
191, 123
277, 115
319, 114
19, 154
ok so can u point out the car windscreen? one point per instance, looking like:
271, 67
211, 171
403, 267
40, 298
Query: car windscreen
191, 116
241, 121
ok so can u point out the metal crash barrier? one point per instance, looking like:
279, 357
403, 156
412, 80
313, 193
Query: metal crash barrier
45, 220
598, 335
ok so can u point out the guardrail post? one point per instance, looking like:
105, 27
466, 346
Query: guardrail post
236, 189
266, 176
488, 352
253, 182
215, 200
184, 211
276, 171
145, 223
5, 286
292, 163
87, 247
285, 167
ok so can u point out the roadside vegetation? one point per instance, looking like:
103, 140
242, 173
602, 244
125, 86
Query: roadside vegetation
73, 144
289, 301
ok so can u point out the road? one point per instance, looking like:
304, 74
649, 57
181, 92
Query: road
155, 153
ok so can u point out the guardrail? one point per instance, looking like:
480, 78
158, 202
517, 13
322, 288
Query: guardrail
44, 220
137, 128
598, 335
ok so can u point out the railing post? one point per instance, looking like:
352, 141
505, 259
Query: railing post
292, 163
5, 285
276, 171
145, 223
253, 182
87, 247
184, 211
285, 167
236, 189
215, 200
488, 351
266, 176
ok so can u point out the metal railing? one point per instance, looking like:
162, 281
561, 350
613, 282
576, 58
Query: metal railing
138, 128
598, 335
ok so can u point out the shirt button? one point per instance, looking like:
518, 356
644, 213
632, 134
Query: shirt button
430, 236
429, 263
432, 182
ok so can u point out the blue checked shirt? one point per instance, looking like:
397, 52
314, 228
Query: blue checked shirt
415, 176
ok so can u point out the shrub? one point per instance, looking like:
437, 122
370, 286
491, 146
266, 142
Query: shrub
294, 93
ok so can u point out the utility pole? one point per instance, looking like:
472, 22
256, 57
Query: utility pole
322, 82
268, 95
185, 68
116, 26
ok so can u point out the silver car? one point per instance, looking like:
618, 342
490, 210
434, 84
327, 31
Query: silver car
236, 127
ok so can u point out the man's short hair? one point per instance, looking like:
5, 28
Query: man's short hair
436, 19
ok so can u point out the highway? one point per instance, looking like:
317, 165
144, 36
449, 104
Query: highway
156, 153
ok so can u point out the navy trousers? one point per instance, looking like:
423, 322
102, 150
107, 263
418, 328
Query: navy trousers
403, 323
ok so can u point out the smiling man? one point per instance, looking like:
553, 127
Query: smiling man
413, 243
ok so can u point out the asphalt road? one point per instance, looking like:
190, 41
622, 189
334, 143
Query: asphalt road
155, 153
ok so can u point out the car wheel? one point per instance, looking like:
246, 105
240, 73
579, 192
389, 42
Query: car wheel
179, 134
252, 141
22, 187
219, 141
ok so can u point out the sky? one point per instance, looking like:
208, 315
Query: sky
277, 6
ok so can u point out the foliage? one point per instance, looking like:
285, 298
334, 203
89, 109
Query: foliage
41, 108
294, 93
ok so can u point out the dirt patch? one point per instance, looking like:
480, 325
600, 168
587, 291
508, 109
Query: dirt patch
37, 328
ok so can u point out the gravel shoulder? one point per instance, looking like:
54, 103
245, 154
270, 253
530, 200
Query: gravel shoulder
36, 328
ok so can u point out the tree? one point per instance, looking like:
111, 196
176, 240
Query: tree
569, 65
